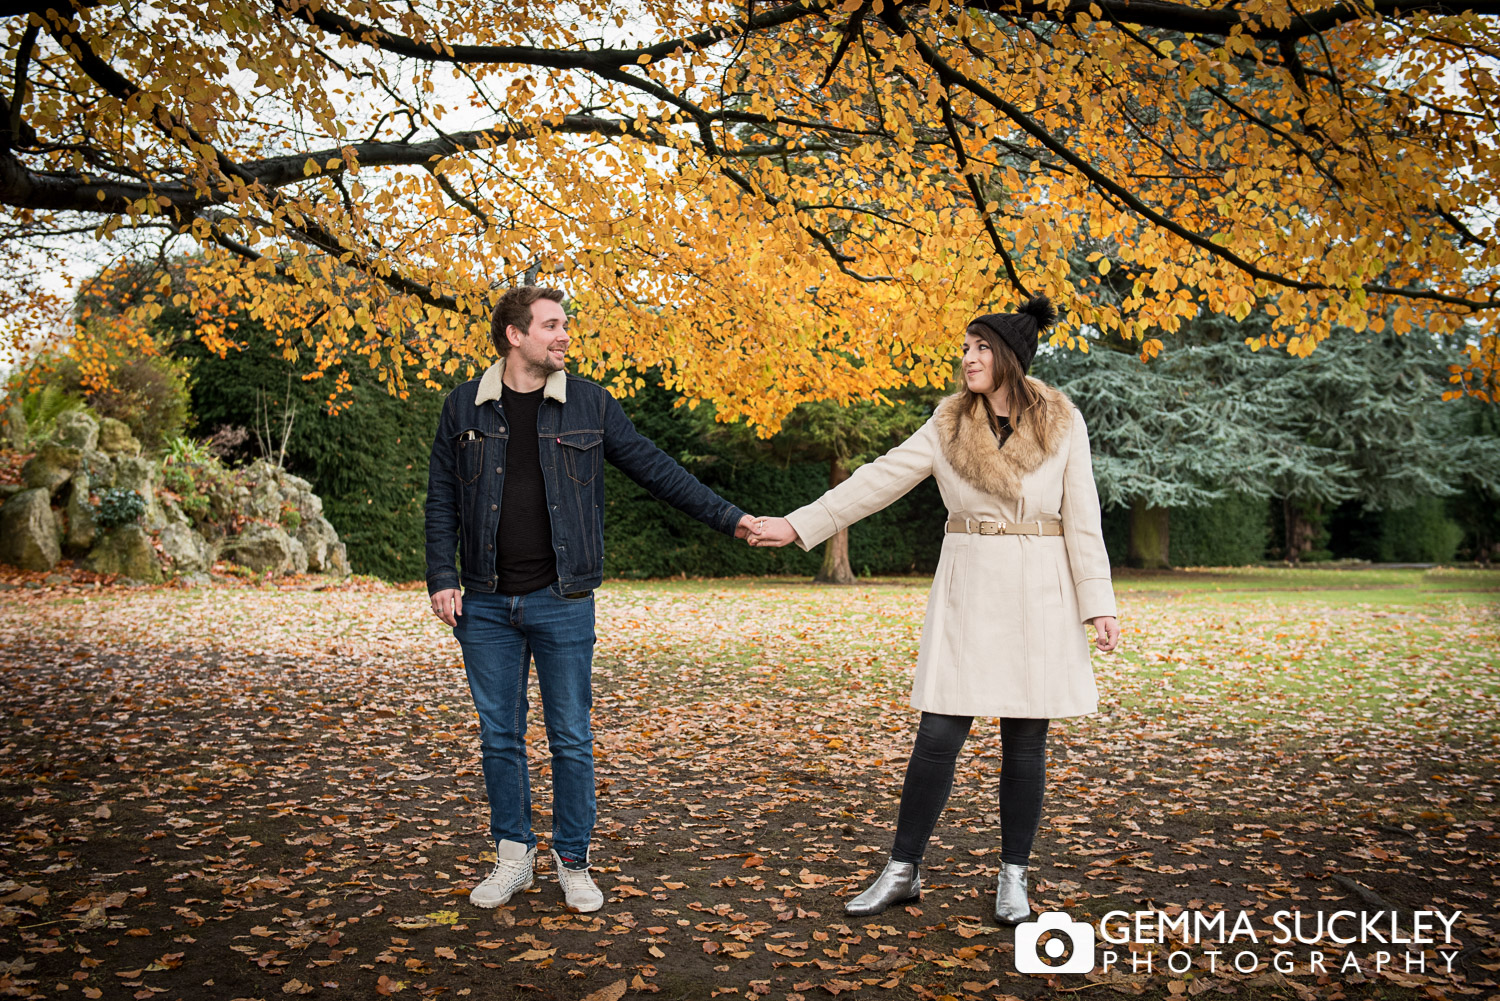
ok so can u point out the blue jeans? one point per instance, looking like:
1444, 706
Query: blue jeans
500, 635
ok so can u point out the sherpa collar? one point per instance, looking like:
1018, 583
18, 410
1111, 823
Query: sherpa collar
969, 444
556, 387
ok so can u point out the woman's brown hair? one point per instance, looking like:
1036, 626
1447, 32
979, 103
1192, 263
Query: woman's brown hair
1026, 404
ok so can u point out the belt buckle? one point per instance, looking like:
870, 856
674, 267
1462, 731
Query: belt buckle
991, 528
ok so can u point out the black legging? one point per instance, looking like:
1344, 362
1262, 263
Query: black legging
929, 778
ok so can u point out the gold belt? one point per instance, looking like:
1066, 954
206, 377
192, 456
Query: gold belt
1005, 527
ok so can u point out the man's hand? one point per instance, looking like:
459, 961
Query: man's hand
1107, 632
448, 605
774, 532
746, 527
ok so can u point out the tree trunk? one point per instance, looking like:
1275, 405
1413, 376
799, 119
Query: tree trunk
835, 568
1301, 524
1288, 530
1148, 536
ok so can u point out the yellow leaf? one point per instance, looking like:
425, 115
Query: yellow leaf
614, 992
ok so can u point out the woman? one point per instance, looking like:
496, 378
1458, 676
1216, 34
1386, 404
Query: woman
1023, 566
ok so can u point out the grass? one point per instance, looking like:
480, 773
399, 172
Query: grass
1356, 644
1360, 647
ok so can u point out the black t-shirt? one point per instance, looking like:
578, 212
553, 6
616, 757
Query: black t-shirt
1002, 429
524, 558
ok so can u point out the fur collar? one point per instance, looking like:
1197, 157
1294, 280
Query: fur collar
555, 388
969, 444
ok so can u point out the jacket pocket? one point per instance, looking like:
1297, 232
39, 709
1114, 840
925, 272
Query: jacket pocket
468, 449
582, 454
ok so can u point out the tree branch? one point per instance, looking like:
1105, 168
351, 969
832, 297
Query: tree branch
15, 131
980, 202
951, 77
575, 59
1221, 21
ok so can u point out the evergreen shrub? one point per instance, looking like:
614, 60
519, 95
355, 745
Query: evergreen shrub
1231, 531
118, 506
1421, 533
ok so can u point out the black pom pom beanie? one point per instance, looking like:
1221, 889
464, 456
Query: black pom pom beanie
1020, 330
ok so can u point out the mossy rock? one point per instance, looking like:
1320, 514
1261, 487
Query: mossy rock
260, 547
51, 467
188, 552
28, 531
82, 529
76, 429
115, 437
126, 551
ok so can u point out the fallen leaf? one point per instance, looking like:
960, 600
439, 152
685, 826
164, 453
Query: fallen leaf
613, 992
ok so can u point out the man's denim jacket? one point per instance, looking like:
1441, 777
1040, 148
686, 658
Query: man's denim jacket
579, 425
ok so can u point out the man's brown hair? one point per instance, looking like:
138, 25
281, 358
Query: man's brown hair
514, 310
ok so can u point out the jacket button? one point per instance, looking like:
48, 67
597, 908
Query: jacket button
490, 546
502, 430
497, 470
494, 507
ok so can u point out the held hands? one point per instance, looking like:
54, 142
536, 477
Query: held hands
773, 532
1106, 632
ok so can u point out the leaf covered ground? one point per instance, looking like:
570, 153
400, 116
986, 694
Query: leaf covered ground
252, 791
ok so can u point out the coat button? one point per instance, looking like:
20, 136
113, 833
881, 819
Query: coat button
502, 430
497, 470
490, 546
494, 507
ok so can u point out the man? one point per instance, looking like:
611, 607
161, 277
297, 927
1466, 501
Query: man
516, 486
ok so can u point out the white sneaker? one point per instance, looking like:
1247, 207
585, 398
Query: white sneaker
578, 887
513, 872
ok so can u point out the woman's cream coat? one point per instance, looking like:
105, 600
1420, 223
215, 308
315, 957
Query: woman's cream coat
1004, 630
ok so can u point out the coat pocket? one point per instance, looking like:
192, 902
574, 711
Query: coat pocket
468, 449
1067, 594
583, 455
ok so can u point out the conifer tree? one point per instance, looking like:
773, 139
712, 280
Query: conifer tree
1362, 419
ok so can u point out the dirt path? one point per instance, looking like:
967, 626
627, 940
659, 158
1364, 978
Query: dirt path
199, 824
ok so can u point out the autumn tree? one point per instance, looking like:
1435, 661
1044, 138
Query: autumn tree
843, 438
849, 180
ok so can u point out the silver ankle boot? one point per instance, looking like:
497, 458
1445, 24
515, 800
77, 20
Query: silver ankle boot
1011, 905
900, 882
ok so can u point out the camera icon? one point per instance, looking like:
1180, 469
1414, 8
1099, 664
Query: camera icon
1054, 943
